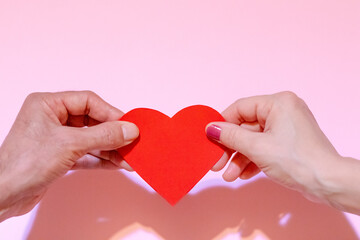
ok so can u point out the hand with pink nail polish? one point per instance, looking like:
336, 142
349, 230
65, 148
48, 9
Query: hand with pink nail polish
278, 134
49, 138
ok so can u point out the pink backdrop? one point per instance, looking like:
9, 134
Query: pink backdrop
167, 55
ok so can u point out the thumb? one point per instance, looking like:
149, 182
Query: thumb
106, 136
235, 137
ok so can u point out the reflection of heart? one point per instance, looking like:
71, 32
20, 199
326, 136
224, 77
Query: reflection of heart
172, 154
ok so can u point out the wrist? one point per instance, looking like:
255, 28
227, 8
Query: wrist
4, 193
7, 195
4, 187
338, 183
7, 182
325, 178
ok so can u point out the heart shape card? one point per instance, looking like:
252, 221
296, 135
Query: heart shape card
172, 154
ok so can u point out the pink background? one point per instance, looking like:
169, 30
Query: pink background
168, 55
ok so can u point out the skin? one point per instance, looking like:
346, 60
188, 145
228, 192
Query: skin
48, 139
278, 135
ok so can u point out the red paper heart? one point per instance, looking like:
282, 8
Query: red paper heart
172, 154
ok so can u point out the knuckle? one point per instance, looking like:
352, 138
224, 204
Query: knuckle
89, 93
238, 101
112, 137
36, 98
289, 99
32, 97
288, 95
232, 138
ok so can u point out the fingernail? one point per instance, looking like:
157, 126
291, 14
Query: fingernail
130, 131
213, 131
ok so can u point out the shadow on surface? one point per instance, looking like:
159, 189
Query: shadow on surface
98, 204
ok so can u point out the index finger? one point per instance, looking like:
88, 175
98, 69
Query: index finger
82, 103
249, 110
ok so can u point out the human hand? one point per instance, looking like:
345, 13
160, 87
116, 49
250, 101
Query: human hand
48, 138
278, 135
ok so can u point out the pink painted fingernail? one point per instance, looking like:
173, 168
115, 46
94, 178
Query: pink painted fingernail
213, 131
